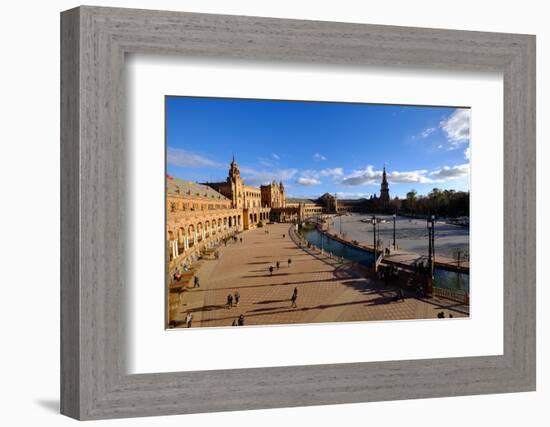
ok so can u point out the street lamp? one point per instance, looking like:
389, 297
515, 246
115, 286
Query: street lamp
430, 222
373, 219
394, 216
433, 244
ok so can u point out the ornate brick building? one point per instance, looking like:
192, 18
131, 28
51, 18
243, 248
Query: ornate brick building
198, 216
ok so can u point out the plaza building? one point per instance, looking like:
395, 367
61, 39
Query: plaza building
196, 217
201, 215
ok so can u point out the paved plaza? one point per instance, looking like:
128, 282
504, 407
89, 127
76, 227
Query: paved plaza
327, 291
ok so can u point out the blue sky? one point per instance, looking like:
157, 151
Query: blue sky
319, 147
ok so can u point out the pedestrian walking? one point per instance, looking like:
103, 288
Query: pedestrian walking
188, 319
229, 301
241, 239
237, 298
284, 236
234, 322
196, 283
289, 262
293, 299
240, 322
402, 295
271, 270
278, 265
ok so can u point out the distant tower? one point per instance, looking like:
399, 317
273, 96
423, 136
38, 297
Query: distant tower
234, 170
282, 202
236, 182
384, 190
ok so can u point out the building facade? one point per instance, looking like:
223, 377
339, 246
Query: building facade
199, 216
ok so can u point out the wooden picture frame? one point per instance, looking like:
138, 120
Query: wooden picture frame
94, 382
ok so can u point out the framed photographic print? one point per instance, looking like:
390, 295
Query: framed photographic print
348, 209
310, 234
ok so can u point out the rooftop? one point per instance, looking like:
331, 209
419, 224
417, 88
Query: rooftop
299, 200
182, 187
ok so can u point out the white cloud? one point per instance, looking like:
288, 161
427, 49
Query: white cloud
362, 177
440, 146
457, 127
343, 195
451, 172
418, 176
319, 157
331, 172
427, 132
313, 177
467, 153
369, 176
256, 177
307, 181
183, 158
265, 162
275, 156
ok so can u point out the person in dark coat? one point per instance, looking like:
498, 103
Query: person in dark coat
294, 297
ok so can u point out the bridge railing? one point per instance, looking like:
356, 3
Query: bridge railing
463, 298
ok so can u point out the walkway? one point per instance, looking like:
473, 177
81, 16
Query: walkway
326, 292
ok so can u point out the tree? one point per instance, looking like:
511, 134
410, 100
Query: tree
396, 204
411, 200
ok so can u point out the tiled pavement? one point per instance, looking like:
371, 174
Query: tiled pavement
326, 293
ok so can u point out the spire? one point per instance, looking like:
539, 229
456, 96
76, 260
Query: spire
384, 187
233, 169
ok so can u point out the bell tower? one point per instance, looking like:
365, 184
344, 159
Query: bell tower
236, 182
282, 201
384, 190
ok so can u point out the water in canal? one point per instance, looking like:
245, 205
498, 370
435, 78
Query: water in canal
458, 282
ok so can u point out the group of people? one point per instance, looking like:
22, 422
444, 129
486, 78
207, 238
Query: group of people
239, 321
231, 298
388, 273
422, 268
441, 315
177, 275
235, 239
278, 265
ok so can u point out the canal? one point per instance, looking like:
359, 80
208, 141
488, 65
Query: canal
452, 280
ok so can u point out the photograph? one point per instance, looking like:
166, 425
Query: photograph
298, 212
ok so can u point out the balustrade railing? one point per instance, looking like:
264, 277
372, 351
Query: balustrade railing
463, 298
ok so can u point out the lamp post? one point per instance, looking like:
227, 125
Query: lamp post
433, 245
373, 219
430, 223
394, 231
